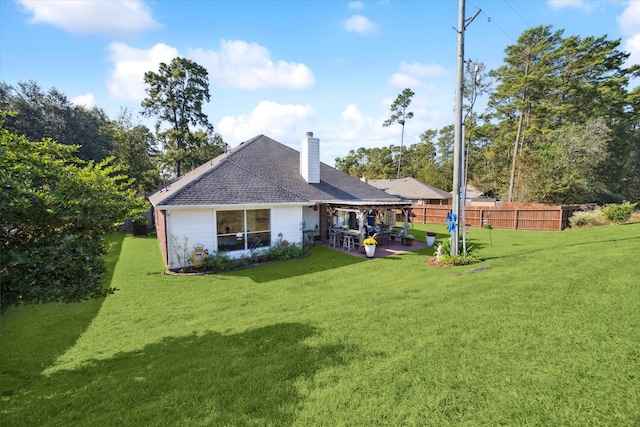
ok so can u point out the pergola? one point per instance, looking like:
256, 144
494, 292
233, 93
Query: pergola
362, 209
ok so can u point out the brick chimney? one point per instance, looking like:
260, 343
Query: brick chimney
310, 159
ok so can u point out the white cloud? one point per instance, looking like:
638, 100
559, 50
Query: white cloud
360, 24
130, 64
87, 100
632, 46
400, 80
574, 4
245, 65
413, 75
420, 70
355, 5
629, 22
123, 17
278, 121
353, 115
629, 19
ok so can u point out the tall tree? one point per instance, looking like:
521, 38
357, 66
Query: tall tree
550, 88
522, 82
175, 96
134, 149
50, 114
400, 115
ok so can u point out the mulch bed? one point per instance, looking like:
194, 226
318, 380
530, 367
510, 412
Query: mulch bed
433, 262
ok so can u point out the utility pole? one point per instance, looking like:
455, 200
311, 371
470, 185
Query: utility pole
457, 135
458, 147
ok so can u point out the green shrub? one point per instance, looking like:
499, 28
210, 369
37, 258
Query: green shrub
459, 259
218, 261
619, 212
462, 259
68, 269
284, 250
587, 218
221, 261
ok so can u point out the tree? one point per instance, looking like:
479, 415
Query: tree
175, 95
134, 150
522, 83
400, 115
549, 88
51, 115
54, 213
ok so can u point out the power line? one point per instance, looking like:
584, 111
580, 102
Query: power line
520, 14
491, 21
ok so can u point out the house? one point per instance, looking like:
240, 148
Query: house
475, 197
258, 193
413, 190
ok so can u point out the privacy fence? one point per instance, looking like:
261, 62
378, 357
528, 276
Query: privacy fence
518, 216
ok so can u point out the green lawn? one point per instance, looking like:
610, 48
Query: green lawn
549, 335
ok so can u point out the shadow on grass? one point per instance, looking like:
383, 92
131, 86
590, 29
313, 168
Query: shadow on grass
34, 335
249, 378
320, 259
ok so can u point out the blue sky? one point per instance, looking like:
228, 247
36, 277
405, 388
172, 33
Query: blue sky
282, 68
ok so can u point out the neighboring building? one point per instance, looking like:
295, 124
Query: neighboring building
412, 190
258, 193
475, 197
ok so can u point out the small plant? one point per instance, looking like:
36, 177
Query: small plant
409, 237
619, 213
369, 241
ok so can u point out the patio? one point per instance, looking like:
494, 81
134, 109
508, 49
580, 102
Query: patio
393, 247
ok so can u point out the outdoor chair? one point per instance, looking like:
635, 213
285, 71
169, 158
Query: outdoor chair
334, 239
348, 243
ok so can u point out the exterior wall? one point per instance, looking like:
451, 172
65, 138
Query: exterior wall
310, 218
197, 226
288, 221
186, 228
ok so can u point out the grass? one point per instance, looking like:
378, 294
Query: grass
549, 335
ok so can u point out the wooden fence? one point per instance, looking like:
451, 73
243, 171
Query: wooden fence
518, 216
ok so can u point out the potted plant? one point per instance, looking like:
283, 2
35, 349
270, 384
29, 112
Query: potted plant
431, 238
370, 246
408, 239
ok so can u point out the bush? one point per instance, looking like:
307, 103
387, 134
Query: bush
611, 213
55, 211
462, 259
221, 261
619, 213
284, 250
587, 218
67, 270
218, 261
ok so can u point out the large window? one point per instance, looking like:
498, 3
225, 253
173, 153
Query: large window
243, 229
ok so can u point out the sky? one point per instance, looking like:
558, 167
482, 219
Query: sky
284, 68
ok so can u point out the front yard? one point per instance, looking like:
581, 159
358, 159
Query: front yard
548, 335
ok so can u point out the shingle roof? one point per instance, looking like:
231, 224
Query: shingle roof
262, 171
410, 188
